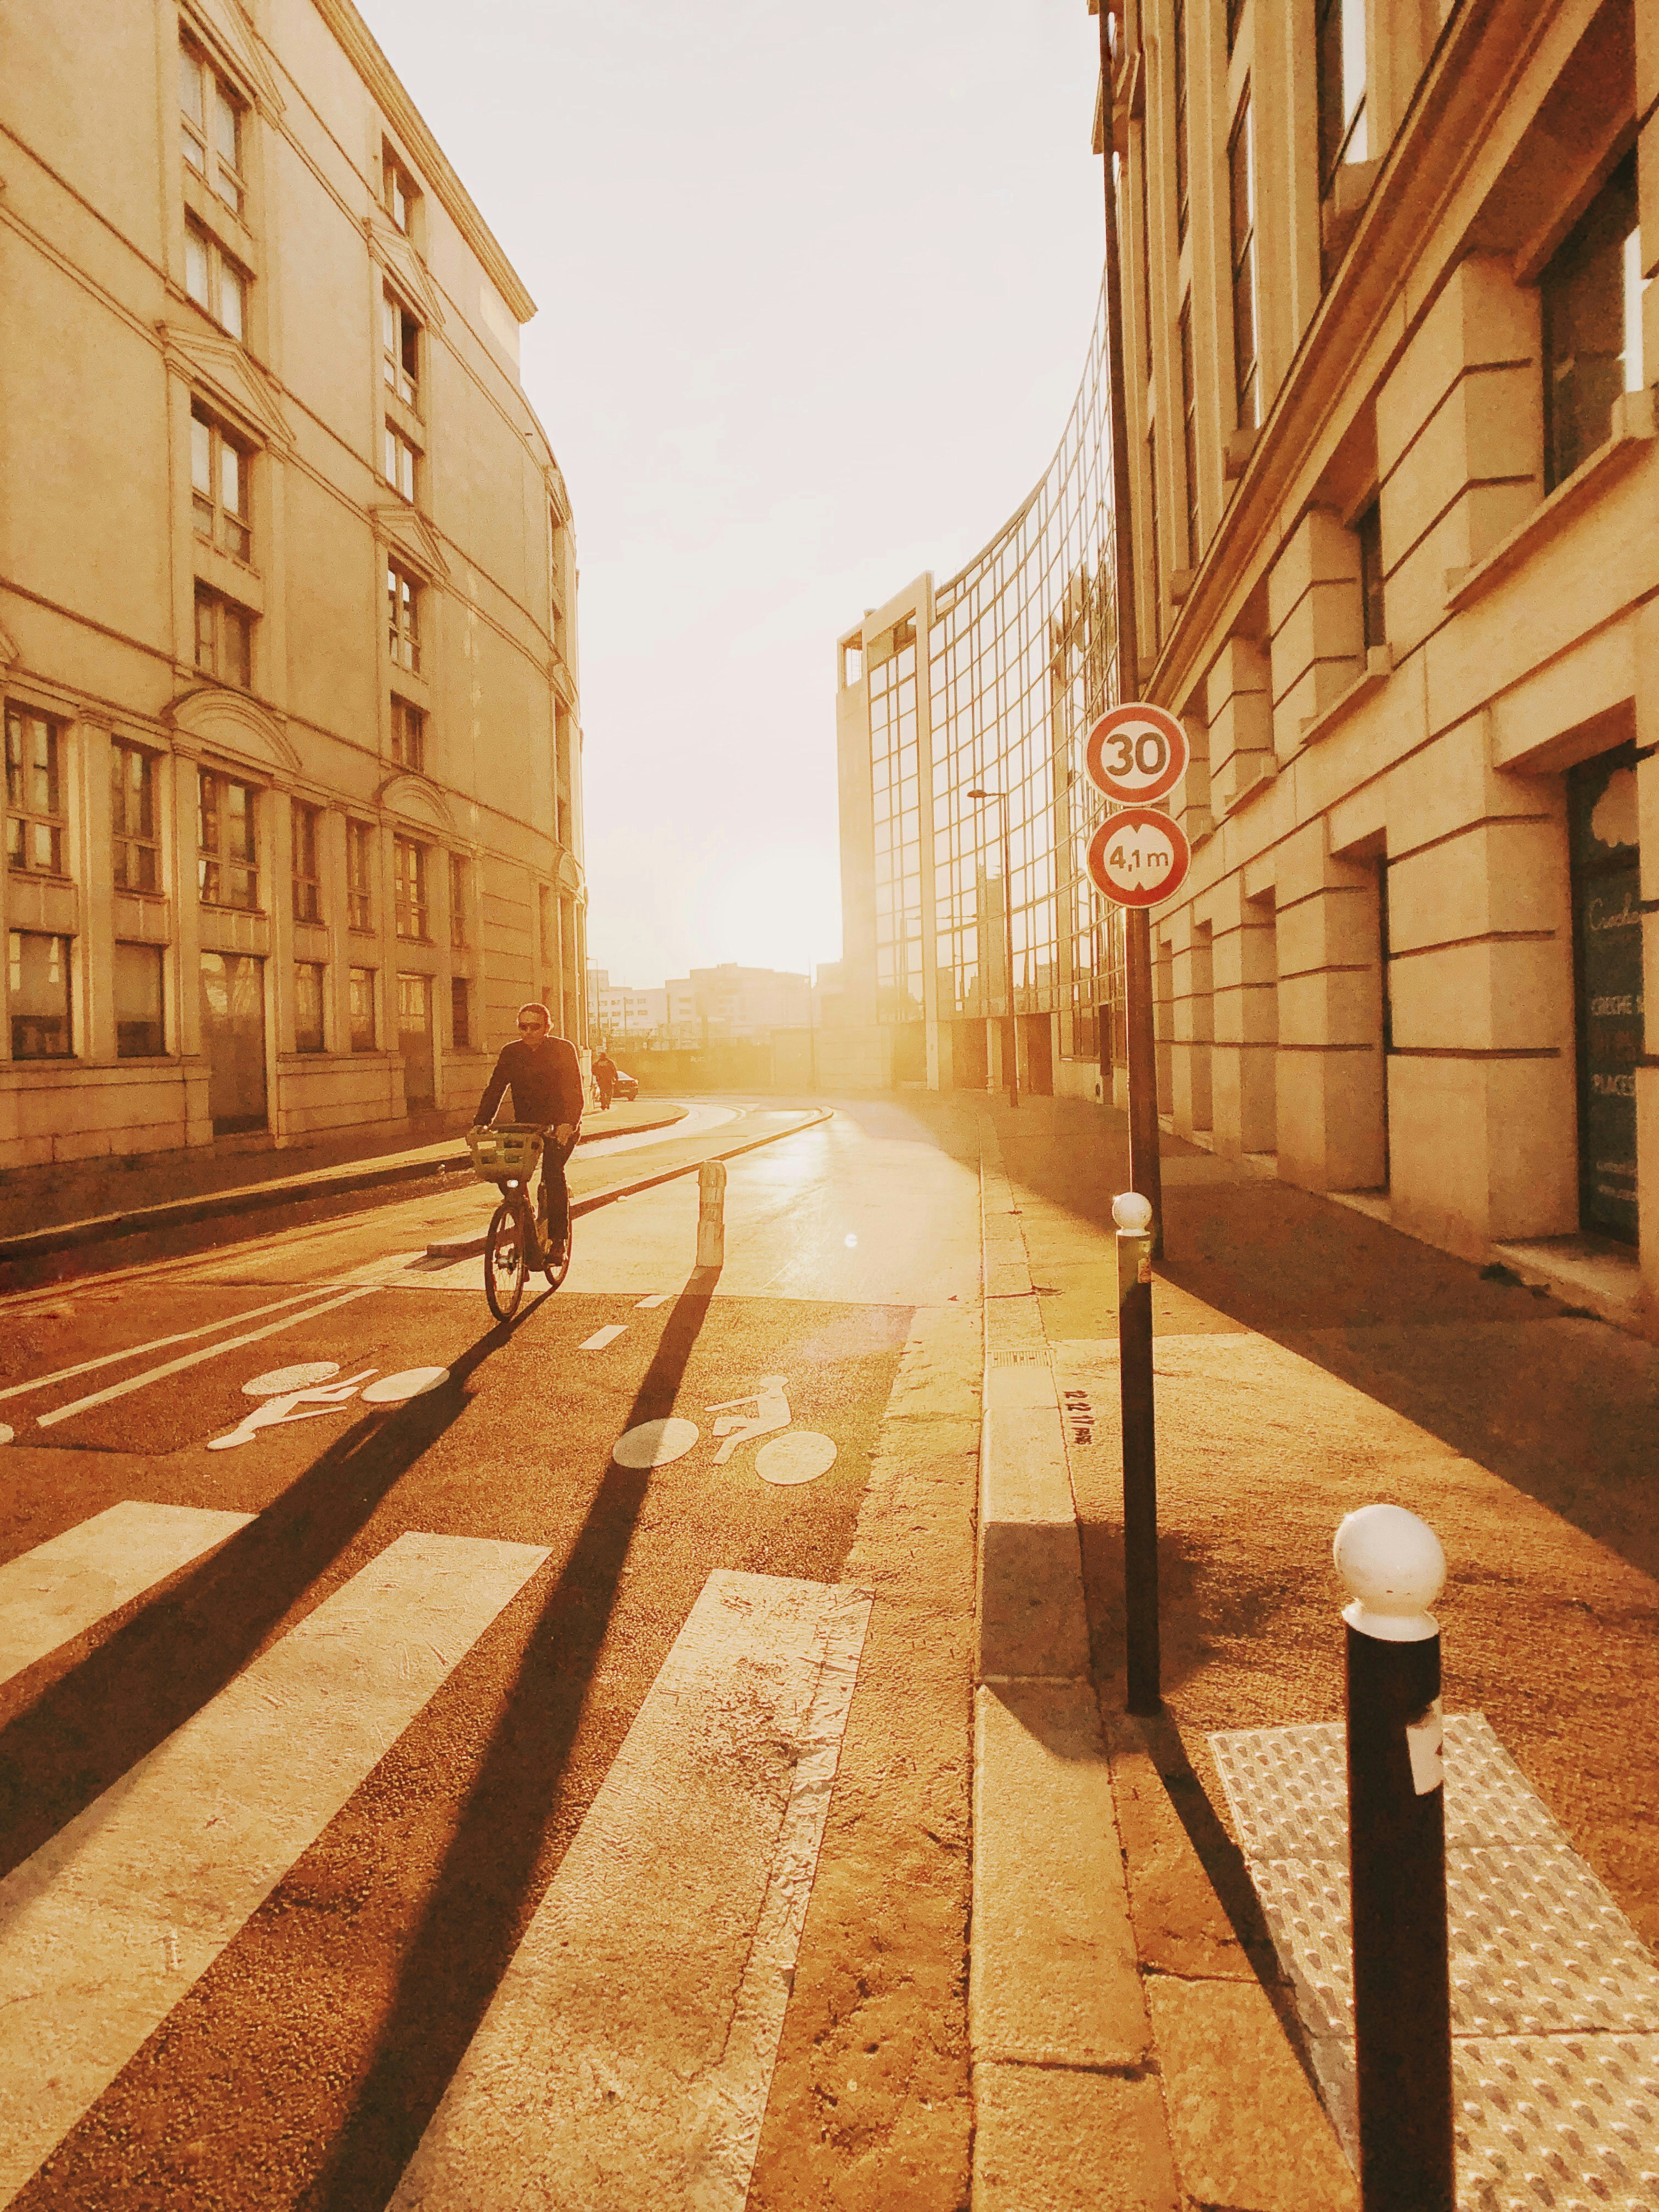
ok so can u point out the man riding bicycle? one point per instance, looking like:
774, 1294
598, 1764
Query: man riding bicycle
545, 1078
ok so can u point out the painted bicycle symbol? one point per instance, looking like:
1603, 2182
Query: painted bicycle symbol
305, 1394
800, 1455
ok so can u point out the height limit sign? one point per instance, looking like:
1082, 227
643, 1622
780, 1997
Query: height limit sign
1137, 753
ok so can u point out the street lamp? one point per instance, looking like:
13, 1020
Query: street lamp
1008, 944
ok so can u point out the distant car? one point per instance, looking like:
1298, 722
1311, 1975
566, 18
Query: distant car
628, 1086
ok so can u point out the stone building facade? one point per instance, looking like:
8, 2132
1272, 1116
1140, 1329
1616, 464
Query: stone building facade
1390, 341
286, 597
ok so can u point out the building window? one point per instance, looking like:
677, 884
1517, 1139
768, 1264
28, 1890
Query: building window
408, 734
1145, 255
360, 875
226, 871
307, 1006
460, 1019
399, 462
1153, 546
1592, 297
1339, 87
1182, 194
40, 983
1241, 176
213, 120
398, 190
307, 875
219, 470
362, 983
1368, 531
456, 899
401, 357
214, 282
134, 849
550, 929
403, 617
138, 981
1234, 16
409, 879
1189, 429
35, 822
224, 639
562, 821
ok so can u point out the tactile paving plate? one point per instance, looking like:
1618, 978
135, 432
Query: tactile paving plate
1555, 1999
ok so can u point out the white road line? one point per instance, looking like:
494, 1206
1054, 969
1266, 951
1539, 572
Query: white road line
104, 1929
656, 1298
64, 1585
158, 1343
601, 1337
627, 2056
195, 1359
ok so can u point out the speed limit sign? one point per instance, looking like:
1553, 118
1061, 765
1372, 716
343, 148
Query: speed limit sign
1136, 753
1139, 856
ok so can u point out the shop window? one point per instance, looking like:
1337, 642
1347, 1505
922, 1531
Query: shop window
403, 617
360, 875
409, 879
227, 870
39, 984
307, 1006
138, 990
214, 281
361, 985
219, 497
408, 735
36, 824
308, 872
224, 639
214, 124
134, 848
400, 348
1592, 300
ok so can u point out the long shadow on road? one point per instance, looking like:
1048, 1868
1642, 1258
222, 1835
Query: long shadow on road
474, 1911
60, 1752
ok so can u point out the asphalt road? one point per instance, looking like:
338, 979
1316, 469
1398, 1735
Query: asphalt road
336, 1762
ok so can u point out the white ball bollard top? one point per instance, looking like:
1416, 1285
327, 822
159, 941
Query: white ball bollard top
1392, 1563
1132, 1212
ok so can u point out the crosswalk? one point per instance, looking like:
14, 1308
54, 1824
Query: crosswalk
627, 2056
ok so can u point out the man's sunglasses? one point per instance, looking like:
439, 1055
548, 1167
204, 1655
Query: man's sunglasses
537, 1026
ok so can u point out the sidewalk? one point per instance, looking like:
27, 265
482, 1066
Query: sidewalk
1308, 1360
50, 1210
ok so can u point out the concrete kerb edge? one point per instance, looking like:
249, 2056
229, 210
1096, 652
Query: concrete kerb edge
255, 1198
1055, 1994
465, 1247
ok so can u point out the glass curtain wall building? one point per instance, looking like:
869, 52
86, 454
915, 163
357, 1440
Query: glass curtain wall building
972, 927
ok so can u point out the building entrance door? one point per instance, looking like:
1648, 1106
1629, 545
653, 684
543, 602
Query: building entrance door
233, 1039
1039, 1043
969, 1058
1606, 917
415, 1039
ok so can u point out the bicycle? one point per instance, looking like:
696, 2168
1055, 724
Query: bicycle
506, 1156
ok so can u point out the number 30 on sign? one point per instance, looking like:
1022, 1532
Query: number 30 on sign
1139, 856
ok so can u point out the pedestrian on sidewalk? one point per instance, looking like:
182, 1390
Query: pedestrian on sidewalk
604, 1078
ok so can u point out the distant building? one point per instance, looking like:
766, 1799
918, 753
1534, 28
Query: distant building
288, 620
735, 1005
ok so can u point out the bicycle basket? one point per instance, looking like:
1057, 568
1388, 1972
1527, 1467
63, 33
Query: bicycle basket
506, 1154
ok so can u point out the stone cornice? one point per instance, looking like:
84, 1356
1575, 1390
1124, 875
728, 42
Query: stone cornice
406, 530
400, 111
1443, 136
220, 30
404, 266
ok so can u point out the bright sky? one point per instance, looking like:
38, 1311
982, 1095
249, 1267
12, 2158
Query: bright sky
814, 289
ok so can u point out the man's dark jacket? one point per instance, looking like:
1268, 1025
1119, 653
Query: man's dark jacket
545, 1078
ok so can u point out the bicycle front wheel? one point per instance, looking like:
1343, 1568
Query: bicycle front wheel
556, 1258
506, 1261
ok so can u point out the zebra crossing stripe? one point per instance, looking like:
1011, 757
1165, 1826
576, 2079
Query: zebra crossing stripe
627, 2056
70, 1581
104, 1929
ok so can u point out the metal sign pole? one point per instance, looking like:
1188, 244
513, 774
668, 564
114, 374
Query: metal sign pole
1145, 1172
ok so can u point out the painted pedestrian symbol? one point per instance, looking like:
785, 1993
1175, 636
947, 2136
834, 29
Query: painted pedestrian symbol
275, 1408
799, 1455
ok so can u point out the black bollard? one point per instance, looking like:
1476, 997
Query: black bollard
1134, 1216
1394, 1565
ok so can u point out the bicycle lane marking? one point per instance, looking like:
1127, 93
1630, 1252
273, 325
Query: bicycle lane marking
156, 1344
195, 1359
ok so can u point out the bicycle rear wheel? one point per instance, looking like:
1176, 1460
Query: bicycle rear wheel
506, 1259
